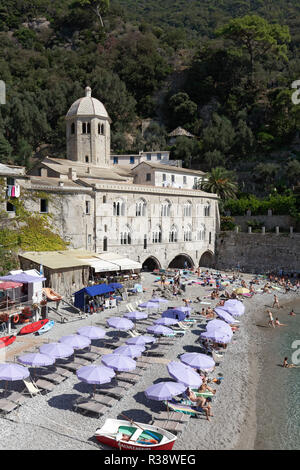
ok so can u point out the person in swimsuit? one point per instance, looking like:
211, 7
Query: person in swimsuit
277, 322
199, 401
271, 319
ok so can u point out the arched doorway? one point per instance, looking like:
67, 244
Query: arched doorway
181, 261
206, 260
150, 264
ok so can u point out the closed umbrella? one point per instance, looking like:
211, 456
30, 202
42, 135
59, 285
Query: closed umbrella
137, 315
224, 315
57, 350
91, 332
76, 341
160, 330
143, 339
166, 321
198, 361
184, 374
120, 323
119, 362
130, 350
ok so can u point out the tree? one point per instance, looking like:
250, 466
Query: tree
98, 7
219, 134
258, 37
182, 109
5, 149
292, 171
221, 182
266, 173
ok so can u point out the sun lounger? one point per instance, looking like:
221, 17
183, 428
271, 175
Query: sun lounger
6, 406
173, 416
172, 426
182, 408
91, 406
71, 366
89, 356
105, 399
126, 377
51, 376
15, 397
43, 384
117, 392
61, 371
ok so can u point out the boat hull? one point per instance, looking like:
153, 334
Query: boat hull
32, 327
108, 441
6, 341
46, 328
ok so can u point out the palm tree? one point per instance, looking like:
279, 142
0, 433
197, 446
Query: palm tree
221, 182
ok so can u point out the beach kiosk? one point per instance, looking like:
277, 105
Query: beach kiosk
82, 296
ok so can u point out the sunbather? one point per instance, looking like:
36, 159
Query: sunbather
199, 401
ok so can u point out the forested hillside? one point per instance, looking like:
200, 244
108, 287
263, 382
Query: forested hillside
222, 69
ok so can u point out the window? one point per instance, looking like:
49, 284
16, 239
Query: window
145, 242
187, 209
148, 177
44, 205
84, 128
86, 159
88, 128
195, 183
184, 179
104, 199
157, 235
105, 244
87, 207
131, 160
105, 228
165, 209
173, 178
116, 160
10, 181
164, 177
102, 129
119, 208
99, 128
125, 237
187, 236
201, 233
73, 128
140, 208
173, 235
148, 156
10, 207
207, 209
159, 156
89, 239
209, 241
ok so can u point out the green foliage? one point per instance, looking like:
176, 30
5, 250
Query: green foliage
221, 182
227, 223
279, 204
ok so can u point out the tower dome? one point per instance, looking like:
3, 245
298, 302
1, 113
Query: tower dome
87, 106
88, 131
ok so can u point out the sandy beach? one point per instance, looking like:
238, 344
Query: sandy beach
49, 422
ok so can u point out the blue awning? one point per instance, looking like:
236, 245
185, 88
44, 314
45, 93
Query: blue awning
98, 289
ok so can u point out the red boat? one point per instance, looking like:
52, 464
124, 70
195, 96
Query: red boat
32, 327
138, 436
6, 341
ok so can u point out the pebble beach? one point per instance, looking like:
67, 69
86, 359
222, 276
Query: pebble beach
49, 422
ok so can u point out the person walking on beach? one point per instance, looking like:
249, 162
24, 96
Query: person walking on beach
276, 301
163, 281
271, 319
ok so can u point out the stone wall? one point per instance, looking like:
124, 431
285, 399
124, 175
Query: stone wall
269, 221
257, 253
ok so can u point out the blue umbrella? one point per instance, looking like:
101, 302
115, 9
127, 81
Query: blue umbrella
184, 374
137, 315
198, 361
119, 362
166, 321
91, 332
76, 341
160, 330
143, 339
165, 390
57, 350
120, 323
130, 350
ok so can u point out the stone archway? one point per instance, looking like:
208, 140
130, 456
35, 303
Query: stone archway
150, 264
181, 261
206, 260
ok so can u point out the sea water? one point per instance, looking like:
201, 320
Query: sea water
278, 393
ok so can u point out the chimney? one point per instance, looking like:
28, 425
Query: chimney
72, 174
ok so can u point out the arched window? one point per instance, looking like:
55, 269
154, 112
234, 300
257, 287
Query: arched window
157, 234
84, 127
187, 236
173, 234
201, 233
187, 209
125, 237
165, 209
73, 128
140, 208
88, 128
119, 208
86, 159
207, 209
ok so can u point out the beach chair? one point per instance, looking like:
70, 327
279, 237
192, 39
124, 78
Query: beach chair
117, 392
172, 426
113, 303
178, 407
51, 376
127, 377
30, 388
89, 356
45, 385
173, 416
90, 406
6, 406
61, 371
105, 399
15, 397
106, 304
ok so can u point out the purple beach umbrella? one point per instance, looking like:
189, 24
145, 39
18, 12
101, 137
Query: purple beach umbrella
198, 361
10, 372
36, 359
148, 304
120, 323
75, 341
118, 362
224, 315
184, 374
95, 374
91, 332
165, 390
235, 307
57, 350
141, 340
160, 330
137, 315
218, 336
159, 300
130, 350
217, 324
